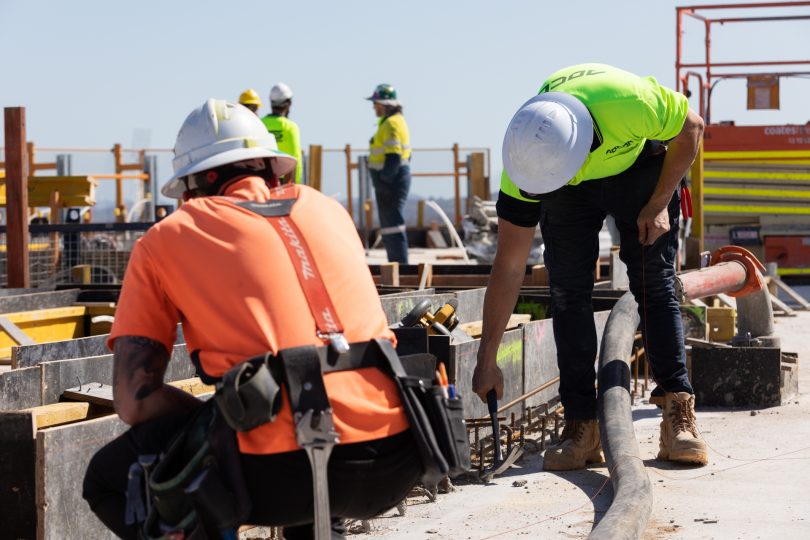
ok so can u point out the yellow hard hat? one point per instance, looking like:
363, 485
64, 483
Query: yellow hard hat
250, 97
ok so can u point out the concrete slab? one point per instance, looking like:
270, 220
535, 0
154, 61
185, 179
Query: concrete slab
757, 483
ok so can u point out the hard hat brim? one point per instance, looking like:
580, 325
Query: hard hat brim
386, 102
282, 164
548, 181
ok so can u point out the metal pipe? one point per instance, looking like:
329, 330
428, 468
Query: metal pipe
754, 310
723, 277
632, 501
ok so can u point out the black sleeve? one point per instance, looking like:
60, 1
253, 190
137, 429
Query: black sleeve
518, 212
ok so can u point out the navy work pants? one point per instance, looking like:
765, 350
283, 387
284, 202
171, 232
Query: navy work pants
570, 220
364, 479
391, 196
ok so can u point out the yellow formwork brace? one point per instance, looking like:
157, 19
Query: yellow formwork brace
73, 190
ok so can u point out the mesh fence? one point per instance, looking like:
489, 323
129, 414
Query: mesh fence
73, 255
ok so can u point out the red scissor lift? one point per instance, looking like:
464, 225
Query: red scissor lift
752, 182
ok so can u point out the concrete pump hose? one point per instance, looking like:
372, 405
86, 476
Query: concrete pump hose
632, 500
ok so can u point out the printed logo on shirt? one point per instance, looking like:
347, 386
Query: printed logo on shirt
619, 147
551, 85
279, 135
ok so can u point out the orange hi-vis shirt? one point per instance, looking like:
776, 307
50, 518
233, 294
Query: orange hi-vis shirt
225, 274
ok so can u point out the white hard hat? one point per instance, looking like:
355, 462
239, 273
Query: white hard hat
547, 142
218, 133
280, 94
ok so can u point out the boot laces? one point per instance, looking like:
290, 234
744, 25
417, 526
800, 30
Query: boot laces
573, 430
683, 417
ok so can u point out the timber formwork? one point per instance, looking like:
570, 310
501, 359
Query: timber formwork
46, 441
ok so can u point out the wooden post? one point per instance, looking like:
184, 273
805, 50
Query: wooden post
350, 206
389, 274
457, 183
425, 275
696, 177
16, 198
420, 213
315, 166
539, 275
120, 211
477, 178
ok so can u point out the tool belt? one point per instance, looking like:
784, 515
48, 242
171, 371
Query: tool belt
195, 488
248, 395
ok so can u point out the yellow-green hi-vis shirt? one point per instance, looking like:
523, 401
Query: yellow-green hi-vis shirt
288, 139
627, 110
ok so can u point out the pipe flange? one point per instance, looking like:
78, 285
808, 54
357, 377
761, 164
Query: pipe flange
753, 268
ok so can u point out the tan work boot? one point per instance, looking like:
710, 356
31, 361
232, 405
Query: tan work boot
578, 446
680, 440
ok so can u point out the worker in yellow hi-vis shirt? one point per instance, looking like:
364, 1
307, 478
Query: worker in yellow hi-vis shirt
286, 132
389, 164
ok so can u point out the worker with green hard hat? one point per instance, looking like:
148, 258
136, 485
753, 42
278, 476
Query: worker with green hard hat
389, 164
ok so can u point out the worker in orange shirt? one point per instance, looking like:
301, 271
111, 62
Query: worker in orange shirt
256, 271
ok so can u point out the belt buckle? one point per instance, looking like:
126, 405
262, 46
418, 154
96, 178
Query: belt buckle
337, 340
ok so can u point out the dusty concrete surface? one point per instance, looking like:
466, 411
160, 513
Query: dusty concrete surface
756, 486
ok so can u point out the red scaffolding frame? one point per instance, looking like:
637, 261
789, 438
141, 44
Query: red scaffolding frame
708, 77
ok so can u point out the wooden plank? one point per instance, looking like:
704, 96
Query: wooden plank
92, 392
62, 456
13, 331
56, 414
791, 293
473, 328
63, 350
37, 300
20, 389
59, 350
780, 305
17, 471
60, 375
16, 164
193, 386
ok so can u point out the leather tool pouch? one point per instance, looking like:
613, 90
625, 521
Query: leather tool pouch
248, 395
198, 483
437, 423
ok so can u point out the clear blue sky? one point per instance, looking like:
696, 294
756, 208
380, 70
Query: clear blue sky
92, 73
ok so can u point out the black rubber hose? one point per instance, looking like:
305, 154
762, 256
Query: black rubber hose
632, 492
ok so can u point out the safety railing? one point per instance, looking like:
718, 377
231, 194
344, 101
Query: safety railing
475, 168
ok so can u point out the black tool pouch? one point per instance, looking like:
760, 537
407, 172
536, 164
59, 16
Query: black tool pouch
198, 483
437, 423
447, 418
248, 394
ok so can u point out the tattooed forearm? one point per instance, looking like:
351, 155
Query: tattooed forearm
139, 364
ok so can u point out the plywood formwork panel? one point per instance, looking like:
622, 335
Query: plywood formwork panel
62, 456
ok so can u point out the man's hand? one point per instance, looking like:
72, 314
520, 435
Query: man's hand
652, 223
485, 379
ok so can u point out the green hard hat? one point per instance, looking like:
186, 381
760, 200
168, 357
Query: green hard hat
383, 92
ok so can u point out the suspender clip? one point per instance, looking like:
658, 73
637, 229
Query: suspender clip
337, 340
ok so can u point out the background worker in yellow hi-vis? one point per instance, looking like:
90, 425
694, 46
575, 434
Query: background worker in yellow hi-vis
389, 164
286, 132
